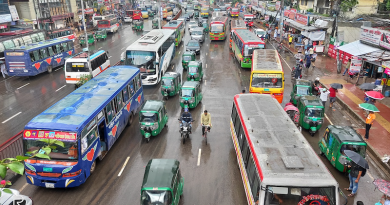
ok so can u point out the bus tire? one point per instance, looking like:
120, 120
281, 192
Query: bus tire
131, 117
49, 69
93, 167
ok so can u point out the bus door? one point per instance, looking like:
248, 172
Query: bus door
102, 130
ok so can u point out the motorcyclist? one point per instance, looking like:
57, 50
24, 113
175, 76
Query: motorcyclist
205, 121
316, 85
186, 117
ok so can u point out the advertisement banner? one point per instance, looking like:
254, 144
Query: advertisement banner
277, 5
356, 64
266, 17
286, 13
302, 19
387, 71
292, 14
370, 35
41, 134
5, 18
331, 51
14, 13
385, 42
386, 64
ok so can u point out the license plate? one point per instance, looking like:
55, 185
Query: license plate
25, 71
47, 169
49, 185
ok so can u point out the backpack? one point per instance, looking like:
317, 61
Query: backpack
364, 172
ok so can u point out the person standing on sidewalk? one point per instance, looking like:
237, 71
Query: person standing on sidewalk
354, 177
332, 95
369, 121
290, 40
324, 96
313, 59
347, 67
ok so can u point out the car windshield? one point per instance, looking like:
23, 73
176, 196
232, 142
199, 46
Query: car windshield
149, 197
196, 33
248, 19
76, 67
193, 44
302, 90
187, 93
235, 10
248, 50
261, 80
314, 112
216, 28
167, 81
361, 149
187, 58
300, 195
148, 117
141, 59
69, 151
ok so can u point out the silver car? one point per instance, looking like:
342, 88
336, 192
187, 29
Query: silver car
197, 34
192, 25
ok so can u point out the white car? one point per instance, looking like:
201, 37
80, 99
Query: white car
260, 33
15, 197
128, 19
192, 25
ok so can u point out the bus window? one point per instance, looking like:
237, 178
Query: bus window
119, 101
35, 38
109, 113
43, 53
32, 57
88, 136
51, 52
27, 40
131, 88
16, 42
70, 45
9, 44
58, 48
41, 36
64, 47
125, 93
2, 47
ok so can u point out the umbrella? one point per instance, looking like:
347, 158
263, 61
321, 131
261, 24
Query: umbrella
336, 85
369, 107
367, 86
357, 158
375, 95
382, 185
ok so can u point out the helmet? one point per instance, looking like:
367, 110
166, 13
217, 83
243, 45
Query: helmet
301, 60
185, 109
317, 79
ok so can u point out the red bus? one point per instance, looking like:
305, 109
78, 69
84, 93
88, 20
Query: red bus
129, 13
137, 15
111, 25
243, 44
234, 12
218, 28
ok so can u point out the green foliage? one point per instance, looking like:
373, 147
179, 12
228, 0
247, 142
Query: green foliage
388, 5
346, 5
310, 10
84, 79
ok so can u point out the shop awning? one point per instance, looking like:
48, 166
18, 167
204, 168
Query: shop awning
302, 27
356, 48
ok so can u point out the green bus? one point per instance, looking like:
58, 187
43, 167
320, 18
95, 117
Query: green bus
179, 28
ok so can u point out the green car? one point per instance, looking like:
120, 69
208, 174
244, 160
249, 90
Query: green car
170, 84
336, 139
138, 25
190, 94
153, 118
187, 57
301, 88
195, 71
162, 183
91, 39
155, 23
101, 34
311, 113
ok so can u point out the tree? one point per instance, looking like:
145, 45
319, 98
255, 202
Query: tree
16, 164
346, 5
83, 79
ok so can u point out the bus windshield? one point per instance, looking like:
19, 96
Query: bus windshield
69, 151
313, 112
98, 18
148, 117
156, 197
216, 28
300, 195
248, 50
235, 10
261, 80
76, 67
103, 22
143, 59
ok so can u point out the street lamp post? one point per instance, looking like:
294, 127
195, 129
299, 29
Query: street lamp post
86, 39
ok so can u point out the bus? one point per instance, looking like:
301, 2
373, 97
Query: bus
234, 12
144, 13
111, 25
167, 11
196, 5
129, 13
148, 7
179, 28
76, 65
243, 44
218, 28
33, 59
95, 19
88, 121
248, 18
137, 15
234, 25
274, 158
62, 33
204, 12
152, 53
12, 39
267, 75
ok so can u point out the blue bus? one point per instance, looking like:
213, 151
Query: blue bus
39, 57
88, 121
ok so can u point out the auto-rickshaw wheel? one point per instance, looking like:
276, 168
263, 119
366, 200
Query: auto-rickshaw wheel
312, 133
320, 153
166, 124
147, 140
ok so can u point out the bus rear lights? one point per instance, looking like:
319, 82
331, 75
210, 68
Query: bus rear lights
30, 172
72, 174
47, 174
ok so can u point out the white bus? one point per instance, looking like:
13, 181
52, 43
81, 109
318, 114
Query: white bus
77, 65
95, 19
276, 162
152, 54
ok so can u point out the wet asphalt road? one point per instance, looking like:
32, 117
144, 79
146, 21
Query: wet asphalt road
216, 180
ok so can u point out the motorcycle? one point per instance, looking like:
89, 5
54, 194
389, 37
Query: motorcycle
185, 130
293, 113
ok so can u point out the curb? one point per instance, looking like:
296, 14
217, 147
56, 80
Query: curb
12, 177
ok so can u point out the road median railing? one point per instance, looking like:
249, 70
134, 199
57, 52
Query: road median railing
12, 147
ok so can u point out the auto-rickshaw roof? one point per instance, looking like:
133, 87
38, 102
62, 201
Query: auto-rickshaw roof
190, 84
189, 53
152, 105
311, 100
171, 75
139, 22
159, 173
345, 133
303, 82
155, 20
194, 63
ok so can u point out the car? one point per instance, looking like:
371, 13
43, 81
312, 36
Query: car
190, 13
192, 24
128, 19
169, 18
193, 45
186, 17
197, 34
182, 19
7, 198
260, 33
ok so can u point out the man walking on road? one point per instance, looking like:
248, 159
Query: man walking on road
369, 121
332, 95
354, 177
324, 96
275, 34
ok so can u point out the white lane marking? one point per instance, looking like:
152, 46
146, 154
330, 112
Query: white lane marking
11, 117
113, 41
205, 82
22, 86
123, 48
110, 57
200, 151
282, 58
206, 65
206, 54
99, 48
58, 69
60, 88
123, 167
328, 119
179, 52
24, 186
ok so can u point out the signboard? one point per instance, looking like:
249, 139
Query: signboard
266, 17
43, 134
14, 13
277, 5
292, 13
387, 71
356, 64
370, 35
385, 41
5, 18
302, 19
286, 13
386, 64
262, 75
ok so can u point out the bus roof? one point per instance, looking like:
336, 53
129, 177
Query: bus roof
172, 24
238, 24
75, 110
40, 44
282, 154
247, 36
266, 59
151, 41
84, 55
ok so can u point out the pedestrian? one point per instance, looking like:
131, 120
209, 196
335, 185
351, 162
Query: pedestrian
311, 51
306, 43
347, 67
275, 34
298, 71
290, 40
332, 96
324, 96
354, 177
369, 121
313, 59
308, 61
3, 70
365, 74
269, 34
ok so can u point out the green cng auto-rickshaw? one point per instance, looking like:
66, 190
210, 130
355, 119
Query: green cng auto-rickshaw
195, 72
190, 94
336, 139
301, 87
170, 84
162, 183
138, 25
101, 34
311, 113
187, 57
153, 118
155, 23
205, 25
90, 40
196, 14
151, 14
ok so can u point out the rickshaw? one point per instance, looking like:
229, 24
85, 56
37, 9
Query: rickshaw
293, 113
155, 23
311, 113
151, 13
190, 94
153, 118
187, 57
170, 84
138, 25
301, 88
195, 71
162, 182
91, 39
335, 140
101, 34
196, 14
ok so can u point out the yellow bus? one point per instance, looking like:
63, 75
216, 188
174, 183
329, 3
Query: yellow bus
168, 11
267, 75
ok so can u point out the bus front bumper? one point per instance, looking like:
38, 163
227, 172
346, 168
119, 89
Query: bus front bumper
149, 80
51, 182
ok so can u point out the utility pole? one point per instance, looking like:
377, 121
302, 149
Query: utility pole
86, 39
335, 28
281, 19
